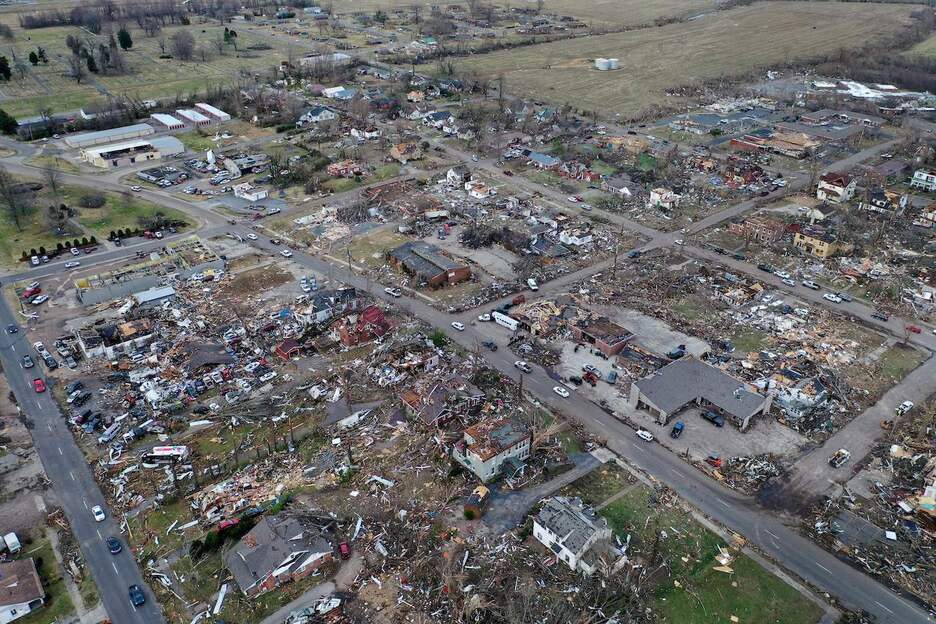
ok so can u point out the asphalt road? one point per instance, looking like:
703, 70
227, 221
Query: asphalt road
741, 514
66, 467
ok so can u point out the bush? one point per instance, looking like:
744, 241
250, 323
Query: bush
438, 338
92, 200
469, 514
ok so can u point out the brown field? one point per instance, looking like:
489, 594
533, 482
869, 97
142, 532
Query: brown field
653, 60
598, 12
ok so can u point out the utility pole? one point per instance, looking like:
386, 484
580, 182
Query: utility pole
348, 249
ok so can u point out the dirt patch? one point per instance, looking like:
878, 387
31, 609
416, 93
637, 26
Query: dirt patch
246, 284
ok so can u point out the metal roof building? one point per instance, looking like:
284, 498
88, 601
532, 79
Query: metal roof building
167, 121
211, 111
113, 135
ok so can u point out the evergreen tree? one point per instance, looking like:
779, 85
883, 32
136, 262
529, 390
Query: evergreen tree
123, 37
8, 125
33, 58
5, 71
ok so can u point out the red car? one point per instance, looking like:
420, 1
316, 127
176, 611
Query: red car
29, 292
914, 329
344, 549
38, 385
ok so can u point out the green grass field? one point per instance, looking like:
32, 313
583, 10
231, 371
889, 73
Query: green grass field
150, 76
118, 212
689, 590
655, 60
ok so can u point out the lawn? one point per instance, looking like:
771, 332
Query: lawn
898, 361
149, 75
703, 595
58, 606
599, 485
370, 249
724, 43
746, 340
342, 185
150, 525
34, 232
121, 212
196, 142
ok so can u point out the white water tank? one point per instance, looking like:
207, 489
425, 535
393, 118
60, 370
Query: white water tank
613, 63
602, 64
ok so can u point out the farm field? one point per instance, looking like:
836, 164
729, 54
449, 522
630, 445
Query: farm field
597, 12
150, 76
926, 48
655, 60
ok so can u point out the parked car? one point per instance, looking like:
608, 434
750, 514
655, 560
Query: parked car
490, 344
12, 329
588, 368
903, 408
72, 264
286, 253
881, 316
458, 326
782, 274
75, 252
532, 284
561, 391
393, 292
484, 318
765, 267
523, 366
716, 419
39, 300
810, 284
39, 385
677, 429
913, 329
789, 282
844, 296
645, 435
832, 297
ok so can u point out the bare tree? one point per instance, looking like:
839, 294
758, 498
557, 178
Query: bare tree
182, 45
52, 177
76, 68
14, 199
162, 43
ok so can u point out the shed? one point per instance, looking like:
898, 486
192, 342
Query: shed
167, 121
193, 117
211, 111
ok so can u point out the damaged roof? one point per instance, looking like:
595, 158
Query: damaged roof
688, 379
19, 583
572, 521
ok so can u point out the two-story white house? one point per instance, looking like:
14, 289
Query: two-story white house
924, 179
492, 447
664, 199
576, 534
836, 187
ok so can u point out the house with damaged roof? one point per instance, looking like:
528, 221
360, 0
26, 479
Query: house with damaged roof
21, 590
493, 447
577, 535
279, 549
427, 263
435, 401
690, 381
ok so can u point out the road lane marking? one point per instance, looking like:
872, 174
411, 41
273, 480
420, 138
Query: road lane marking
676, 472
38, 406
823, 567
72, 475
85, 504
49, 425
772, 534
882, 606
722, 502
115, 568
98, 531
13, 347
638, 447
60, 451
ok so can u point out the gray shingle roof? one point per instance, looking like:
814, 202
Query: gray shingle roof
573, 522
685, 380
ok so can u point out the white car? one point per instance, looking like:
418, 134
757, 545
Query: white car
811, 284
136, 189
789, 282
75, 252
251, 236
523, 366
679, 241
832, 298
532, 284
268, 376
286, 253
393, 292
573, 199
39, 347
645, 435
98, 513
39, 300
458, 326
484, 318
561, 391
72, 264
782, 274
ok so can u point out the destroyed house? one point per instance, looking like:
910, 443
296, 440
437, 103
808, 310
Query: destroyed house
368, 325
435, 401
427, 263
881, 200
572, 531
20, 589
493, 447
602, 333
113, 339
761, 229
689, 380
279, 549
328, 304
819, 242
836, 187
288, 348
